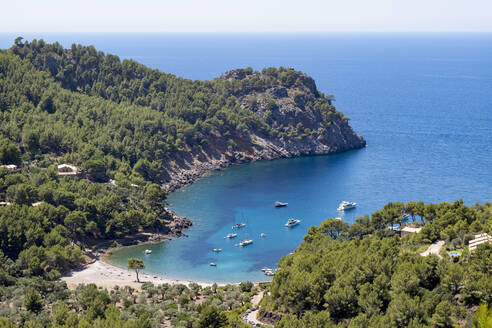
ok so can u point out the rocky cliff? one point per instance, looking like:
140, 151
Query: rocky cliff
301, 121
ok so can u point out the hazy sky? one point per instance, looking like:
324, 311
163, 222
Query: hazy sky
244, 15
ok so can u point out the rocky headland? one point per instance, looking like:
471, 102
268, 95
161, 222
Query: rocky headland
301, 122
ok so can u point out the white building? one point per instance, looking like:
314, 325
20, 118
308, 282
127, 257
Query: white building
479, 240
10, 167
67, 170
408, 230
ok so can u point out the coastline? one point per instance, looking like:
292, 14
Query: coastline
100, 272
106, 275
193, 169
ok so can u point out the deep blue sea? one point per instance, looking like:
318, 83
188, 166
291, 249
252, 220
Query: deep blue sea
423, 102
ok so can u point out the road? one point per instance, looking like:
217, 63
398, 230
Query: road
250, 317
434, 249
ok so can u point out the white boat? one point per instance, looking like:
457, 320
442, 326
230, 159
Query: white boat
239, 225
217, 250
269, 273
292, 222
147, 251
262, 235
346, 205
265, 269
280, 204
213, 264
231, 235
246, 242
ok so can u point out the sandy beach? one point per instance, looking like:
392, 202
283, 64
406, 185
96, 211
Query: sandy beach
107, 276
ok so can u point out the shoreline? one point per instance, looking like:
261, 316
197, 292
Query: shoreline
193, 171
107, 275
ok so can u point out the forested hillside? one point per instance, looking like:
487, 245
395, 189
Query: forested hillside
365, 275
85, 103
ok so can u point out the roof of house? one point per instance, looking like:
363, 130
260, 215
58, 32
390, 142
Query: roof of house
67, 169
62, 166
411, 229
9, 166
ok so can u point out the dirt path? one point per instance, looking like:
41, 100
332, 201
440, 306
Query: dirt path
434, 249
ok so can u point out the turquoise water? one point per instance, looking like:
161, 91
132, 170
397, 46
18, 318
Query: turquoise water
422, 102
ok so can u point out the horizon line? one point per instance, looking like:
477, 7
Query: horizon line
256, 32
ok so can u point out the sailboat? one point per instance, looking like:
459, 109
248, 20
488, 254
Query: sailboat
231, 235
246, 241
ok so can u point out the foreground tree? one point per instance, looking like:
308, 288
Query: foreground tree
33, 301
211, 317
136, 264
334, 228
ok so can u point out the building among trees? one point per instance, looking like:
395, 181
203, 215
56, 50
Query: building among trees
68, 170
479, 240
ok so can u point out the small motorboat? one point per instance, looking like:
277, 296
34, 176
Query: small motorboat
240, 225
231, 235
262, 235
280, 204
217, 250
346, 205
265, 269
246, 242
213, 264
147, 251
269, 273
292, 222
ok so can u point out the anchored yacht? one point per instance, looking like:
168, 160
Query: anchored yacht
280, 204
246, 242
346, 205
292, 222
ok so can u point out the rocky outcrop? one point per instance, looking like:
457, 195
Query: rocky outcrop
270, 317
174, 225
301, 121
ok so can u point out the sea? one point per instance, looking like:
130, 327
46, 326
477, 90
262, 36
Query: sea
423, 102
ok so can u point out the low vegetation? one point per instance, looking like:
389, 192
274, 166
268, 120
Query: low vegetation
38, 303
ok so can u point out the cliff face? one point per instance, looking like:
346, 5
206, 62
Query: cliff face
301, 121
